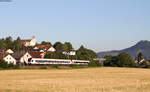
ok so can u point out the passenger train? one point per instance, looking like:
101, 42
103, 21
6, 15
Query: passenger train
41, 61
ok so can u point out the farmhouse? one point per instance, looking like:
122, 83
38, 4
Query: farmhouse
10, 59
22, 56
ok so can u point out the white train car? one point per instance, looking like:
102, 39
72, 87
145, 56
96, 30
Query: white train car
41, 61
80, 62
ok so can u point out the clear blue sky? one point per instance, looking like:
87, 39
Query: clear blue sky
98, 24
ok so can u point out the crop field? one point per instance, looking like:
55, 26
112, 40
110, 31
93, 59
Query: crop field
76, 80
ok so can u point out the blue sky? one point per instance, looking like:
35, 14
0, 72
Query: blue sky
98, 24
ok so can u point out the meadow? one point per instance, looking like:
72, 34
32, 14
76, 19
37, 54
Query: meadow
105, 79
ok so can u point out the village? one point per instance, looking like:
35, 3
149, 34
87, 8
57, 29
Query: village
34, 53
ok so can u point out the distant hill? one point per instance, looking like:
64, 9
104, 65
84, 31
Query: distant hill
142, 46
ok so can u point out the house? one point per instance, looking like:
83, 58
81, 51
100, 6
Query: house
5, 55
70, 53
142, 63
44, 48
23, 56
29, 42
10, 59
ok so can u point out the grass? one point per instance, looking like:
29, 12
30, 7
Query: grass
104, 79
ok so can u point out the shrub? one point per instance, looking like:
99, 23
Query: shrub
55, 66
3, 64
43, 67
94, 64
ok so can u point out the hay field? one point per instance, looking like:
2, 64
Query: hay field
76, 80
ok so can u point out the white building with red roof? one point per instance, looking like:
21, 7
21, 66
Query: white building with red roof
44, 48
29, 42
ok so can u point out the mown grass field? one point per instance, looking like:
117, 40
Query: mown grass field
76, 80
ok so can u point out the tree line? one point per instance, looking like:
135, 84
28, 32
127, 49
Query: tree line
121, 60
9, 43
125, 60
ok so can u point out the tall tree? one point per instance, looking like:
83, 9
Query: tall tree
2, 43
9, 42
85, 54
68, 46
58, 46
125, 60
17, 44
139, 57
9, 39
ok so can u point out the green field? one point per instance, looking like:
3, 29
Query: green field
76, 80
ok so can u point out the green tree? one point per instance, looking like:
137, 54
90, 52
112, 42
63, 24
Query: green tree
2, 44
68, 46
122, 60
125, 60
46, 43
9, 42
85, 54
3, 64
58, 46
139, 57
108, 60
55, 55
17, 44
94, 64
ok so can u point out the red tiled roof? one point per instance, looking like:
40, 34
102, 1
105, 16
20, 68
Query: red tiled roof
35, 54
28, 40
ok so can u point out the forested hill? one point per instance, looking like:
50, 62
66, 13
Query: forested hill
142, 46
